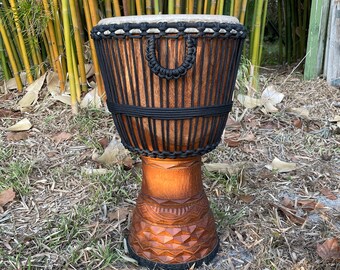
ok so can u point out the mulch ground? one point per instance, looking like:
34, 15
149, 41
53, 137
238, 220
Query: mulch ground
71, 212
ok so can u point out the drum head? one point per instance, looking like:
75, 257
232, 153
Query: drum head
189, 18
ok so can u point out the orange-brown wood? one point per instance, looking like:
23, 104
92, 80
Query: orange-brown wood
172, 222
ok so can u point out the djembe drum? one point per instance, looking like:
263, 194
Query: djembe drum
169, 82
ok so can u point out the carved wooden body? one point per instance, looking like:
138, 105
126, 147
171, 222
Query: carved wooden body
169, 86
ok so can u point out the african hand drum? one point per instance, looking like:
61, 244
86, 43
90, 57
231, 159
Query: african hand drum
169, 82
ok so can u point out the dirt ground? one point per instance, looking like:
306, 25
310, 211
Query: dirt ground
65, 211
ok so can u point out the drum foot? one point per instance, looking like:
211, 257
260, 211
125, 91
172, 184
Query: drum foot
172, 225
180, 266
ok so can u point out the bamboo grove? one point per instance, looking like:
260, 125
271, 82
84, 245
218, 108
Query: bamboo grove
37, 35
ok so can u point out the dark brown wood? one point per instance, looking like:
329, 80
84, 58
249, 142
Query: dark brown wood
172, 222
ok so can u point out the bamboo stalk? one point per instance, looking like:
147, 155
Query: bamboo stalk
220, 6
80, 22
213, 7
75, 72
96, 67
48, 51
256, 40
108, 9
139, 7
206, 6
280, 31
93, 5
67, 35
231, 10
79, 46
148, 7
288, 32
171, 6
199, 7
30, 38
21, 43
243, 11
54, 49
191, 6
293, 32
156, 6
132, 7
116, 8
4, 66
59, 36
263, 25
178, 7
237, 8
10, 56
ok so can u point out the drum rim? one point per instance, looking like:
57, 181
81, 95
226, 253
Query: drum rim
170, 18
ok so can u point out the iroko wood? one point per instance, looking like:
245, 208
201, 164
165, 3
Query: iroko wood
172, 222
208, 83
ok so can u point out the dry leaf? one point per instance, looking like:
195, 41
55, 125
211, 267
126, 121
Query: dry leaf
297, 123
328, 194
281, 166
114, 153
329, 250
22, 125
90, 171
64, 98
53, 83
89, 69
303, 112
61, 137
307, 205
270, 95
91, 100
119, 214
104, 142
17, 136
11, 84
246, 198
248, 101
290, 212
31, 97
6, 196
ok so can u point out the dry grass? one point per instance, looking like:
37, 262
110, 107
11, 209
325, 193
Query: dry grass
63, 219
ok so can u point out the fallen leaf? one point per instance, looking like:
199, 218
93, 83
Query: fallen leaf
286, 202
249, 102
307, 205
269, 108
114, 153
91, 100
328, 194
291, 214
271, 96
119, 214
303, 112
329, 250
52, 81
64, 98
335, 119
61, 137
104, 142
232, 124
246, 198
249, 137
31, 97
17, 136
90, 171
297, 123
281, 166
11, 84
6, 196
89, 69
22, 125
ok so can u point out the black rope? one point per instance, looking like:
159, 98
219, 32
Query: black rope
168, 113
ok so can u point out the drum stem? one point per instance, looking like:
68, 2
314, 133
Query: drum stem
172, 226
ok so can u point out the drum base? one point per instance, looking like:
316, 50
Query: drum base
172, 225
181, 266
